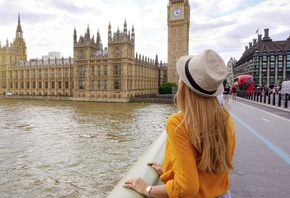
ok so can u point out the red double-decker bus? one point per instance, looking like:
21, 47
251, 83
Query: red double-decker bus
244, 83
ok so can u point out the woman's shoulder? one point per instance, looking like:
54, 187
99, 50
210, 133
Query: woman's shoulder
175, 119
176, 116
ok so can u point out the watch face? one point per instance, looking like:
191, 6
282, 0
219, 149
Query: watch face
176, 12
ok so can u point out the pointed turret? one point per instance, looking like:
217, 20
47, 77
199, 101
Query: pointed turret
109, 31
18, 29
88, 33
75, 35
125, 27
133, 33
98, 37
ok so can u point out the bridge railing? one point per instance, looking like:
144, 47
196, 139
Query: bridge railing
154, 152
268, 98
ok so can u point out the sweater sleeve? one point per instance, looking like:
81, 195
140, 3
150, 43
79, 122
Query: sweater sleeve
185, 181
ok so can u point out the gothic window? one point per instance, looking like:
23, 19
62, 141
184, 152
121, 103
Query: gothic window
117, 69
99, 70
39, 73
81, 54
81, 84
117, 52
117, 84
105, 70
46, 73
66, 72
39, 85
52, 73
52, 85
66, 84
93, 85
59, 85
81, 70
59, 72
105, 85
99, 84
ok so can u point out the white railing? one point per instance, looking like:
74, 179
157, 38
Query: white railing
154, 152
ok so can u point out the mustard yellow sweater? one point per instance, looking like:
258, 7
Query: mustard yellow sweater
180, 173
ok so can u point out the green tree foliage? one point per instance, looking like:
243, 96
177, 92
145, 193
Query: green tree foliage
166, 88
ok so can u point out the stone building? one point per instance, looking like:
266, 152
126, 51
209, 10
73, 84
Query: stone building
266, 60
230, 65
113, 73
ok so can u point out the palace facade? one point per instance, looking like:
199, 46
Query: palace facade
113, 73
266, 60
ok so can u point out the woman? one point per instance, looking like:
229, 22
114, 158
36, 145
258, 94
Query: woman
201, 137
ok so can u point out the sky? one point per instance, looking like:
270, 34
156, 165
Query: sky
226, 26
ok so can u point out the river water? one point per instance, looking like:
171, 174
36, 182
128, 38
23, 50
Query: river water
72, 149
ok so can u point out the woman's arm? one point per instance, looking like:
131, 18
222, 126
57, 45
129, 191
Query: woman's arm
139, 185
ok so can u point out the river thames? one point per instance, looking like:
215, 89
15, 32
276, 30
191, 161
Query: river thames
66, 149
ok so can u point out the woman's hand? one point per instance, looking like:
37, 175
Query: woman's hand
157, 167
137, 184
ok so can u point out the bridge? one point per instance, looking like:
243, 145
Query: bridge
261, 160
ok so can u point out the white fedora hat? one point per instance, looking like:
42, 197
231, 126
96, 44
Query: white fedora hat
204, 73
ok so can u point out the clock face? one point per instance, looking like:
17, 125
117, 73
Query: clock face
176, 12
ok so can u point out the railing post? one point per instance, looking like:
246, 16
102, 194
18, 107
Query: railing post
274, 98
279, 100
264, 97
254, 96
269, 98
286, 101
261, 97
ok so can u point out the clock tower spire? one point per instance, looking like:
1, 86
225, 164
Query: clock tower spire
178, 20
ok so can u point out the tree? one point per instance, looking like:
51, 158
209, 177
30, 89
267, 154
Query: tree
166, 88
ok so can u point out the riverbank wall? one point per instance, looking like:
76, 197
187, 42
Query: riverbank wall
144, 99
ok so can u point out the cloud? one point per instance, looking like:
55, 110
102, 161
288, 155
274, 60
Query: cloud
226, 26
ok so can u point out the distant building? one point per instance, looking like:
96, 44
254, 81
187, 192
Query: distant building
230, 65
266, 60
113, 73
51, 56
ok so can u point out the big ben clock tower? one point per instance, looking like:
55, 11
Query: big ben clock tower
178, 20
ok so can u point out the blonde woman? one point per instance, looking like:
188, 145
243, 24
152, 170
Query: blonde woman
201, 136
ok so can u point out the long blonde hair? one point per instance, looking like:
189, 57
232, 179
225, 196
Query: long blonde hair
206, 121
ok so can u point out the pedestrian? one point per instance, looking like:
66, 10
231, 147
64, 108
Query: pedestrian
234, 92
227, 93
201, 136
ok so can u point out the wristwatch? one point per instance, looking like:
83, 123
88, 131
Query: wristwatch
148, 190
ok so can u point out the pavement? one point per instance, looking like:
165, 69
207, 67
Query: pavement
262, 155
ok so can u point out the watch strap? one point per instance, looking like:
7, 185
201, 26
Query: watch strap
148, 190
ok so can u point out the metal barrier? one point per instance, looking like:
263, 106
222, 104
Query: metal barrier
269, 98
155, 152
